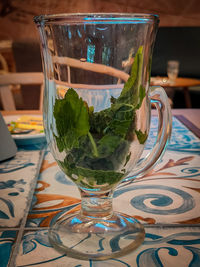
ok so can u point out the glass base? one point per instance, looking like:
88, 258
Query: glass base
86, 238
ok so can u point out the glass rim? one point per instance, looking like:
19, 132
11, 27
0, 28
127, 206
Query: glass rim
85, 18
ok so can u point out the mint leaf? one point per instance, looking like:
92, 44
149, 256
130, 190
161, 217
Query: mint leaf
131, 91
142, 94
98, 143
72, 120
127, 158
100, 120
142, 137
122, 118
97, 176
108, 144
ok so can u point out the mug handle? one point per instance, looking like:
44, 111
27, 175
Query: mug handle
160, 99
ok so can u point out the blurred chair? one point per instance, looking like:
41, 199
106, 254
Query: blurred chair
4, 69
3, 65
7, 80
7, 63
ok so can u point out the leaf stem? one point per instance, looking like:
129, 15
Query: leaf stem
95, 151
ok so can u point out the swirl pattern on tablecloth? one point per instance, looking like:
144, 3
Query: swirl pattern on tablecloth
178, 248
152, 256
159, 199
191, 170
181, 140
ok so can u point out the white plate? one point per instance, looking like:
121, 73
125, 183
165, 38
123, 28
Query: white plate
26, 139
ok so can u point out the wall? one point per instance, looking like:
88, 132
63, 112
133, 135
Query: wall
16, 16
16, 23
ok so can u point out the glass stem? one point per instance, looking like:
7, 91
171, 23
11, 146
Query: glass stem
96, 205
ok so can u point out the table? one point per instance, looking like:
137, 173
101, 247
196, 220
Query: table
192, 117
183, 83
166, 200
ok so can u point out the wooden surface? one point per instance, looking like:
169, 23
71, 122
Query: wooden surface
179, 82
20, 112
8, 79
16, 18
182, 83
22, 78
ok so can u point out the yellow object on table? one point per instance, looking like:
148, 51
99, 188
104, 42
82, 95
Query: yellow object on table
30, 122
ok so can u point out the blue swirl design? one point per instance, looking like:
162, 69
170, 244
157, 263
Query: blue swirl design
101, 243
61, 178
7, 185
12, 184
79, 265
151, 257
10, 206
173, 239
182, 139
147, 257
7, 239
192, 170
158, 199
196, 256
42, 262
14, 167
30, 240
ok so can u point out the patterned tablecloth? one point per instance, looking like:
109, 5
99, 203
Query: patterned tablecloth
166, 201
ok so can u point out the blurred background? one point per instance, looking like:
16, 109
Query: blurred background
178, 38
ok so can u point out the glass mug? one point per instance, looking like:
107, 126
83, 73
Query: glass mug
172, 70
97, 112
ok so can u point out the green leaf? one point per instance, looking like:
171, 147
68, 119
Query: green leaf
127, 159
142, 137
72, 120
108, 144
97, 143
101, 176
131, 91
142, 94
100, 120
98, 176
95, 151
123, 116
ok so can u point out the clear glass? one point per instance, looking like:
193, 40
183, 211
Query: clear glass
97, 111
172, 70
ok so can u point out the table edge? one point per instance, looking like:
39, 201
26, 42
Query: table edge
193, 128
